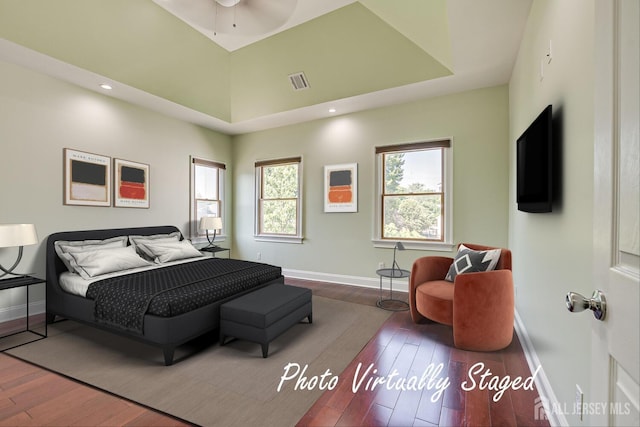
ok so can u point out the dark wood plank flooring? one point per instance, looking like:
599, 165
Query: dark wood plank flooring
30, 395
409, 349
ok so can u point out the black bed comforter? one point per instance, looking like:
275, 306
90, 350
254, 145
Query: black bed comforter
123, 301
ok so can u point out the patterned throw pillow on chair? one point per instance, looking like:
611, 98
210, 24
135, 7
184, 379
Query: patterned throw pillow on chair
468, 261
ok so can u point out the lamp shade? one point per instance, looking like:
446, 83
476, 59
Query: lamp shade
210, 223
17, 235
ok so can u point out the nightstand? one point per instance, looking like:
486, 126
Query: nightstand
213, 250
23, 282
391, 303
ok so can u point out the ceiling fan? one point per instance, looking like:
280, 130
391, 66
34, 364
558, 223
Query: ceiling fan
242, 17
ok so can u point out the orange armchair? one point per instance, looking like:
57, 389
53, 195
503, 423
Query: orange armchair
479, 305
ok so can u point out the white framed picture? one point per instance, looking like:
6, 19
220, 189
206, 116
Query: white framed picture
87, 178
341, 188
131, 184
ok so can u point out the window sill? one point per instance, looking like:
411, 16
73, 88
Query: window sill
413, 245
279, 239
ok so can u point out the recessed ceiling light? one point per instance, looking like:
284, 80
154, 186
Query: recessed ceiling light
106, 86
332, 110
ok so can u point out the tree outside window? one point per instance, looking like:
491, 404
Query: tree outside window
413, 196
278, 197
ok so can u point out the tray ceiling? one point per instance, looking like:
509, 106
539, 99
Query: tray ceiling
355, 54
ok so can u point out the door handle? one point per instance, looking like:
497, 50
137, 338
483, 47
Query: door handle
597, 303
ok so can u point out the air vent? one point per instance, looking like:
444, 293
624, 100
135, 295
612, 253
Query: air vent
299, 81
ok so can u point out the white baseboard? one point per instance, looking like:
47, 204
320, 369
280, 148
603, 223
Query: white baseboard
548, 399
400, 285
19, 311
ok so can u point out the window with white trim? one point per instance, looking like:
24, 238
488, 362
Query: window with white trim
279, 204
414, 193
207, 193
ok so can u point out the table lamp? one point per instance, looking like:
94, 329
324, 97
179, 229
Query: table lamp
16, 235
211, 223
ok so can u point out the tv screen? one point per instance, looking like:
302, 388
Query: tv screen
535, 165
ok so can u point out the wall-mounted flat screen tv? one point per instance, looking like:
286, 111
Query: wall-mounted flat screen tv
535, 165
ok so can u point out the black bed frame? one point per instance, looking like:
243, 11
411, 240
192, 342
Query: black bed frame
164, 332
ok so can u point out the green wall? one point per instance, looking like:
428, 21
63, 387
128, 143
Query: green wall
552, 253
39, 116
338, 246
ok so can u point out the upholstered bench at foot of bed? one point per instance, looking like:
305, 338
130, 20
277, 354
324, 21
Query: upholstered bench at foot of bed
262, 315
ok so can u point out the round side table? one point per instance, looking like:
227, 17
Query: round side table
391, 303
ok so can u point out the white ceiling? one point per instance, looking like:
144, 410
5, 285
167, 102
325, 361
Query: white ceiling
485, 37
250, 20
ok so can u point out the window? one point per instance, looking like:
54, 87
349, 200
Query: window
278, 184
207, 194
414, 203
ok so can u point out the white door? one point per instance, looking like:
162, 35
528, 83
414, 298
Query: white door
615, 341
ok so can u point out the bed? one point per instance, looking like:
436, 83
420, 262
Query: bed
168, 314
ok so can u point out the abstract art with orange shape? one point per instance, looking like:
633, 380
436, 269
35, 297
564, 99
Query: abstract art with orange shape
341, 188
340, 194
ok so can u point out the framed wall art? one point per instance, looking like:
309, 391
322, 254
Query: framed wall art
341, 188
131, 184
87, 178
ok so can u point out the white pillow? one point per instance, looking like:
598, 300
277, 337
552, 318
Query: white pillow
163, 251
94, 263
136, 240
63, 247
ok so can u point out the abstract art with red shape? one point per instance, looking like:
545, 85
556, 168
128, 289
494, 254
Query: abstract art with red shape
133, 183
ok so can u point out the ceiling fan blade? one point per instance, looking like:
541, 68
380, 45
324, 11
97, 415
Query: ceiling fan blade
251, 17
259, 16
196, 13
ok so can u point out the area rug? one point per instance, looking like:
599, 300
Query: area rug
229, 385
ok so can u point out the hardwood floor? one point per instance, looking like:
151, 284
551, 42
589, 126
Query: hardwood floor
410, 349
30, 395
